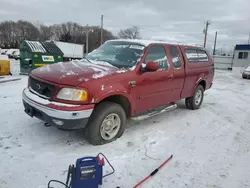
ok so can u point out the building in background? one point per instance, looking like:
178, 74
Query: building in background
241, 57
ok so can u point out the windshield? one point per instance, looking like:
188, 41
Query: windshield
118, 53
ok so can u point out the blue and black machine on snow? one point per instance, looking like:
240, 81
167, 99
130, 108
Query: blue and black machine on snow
88, 173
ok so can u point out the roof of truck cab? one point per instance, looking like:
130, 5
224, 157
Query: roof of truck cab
148, 42
139, 41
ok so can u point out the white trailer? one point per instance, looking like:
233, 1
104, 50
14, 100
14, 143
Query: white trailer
71, 50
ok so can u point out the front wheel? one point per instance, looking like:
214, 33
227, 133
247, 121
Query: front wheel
244, 77
195, 101
106, 124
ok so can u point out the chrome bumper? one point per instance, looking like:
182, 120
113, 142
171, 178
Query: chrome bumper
40, 103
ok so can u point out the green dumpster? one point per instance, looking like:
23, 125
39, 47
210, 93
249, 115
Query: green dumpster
35, 54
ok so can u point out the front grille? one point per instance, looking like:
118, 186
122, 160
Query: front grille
41, 88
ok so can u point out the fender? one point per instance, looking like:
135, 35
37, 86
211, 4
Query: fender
111, 90
201, 78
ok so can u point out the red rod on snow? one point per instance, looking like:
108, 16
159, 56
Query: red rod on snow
153, 173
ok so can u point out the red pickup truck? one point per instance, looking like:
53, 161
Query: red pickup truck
121, 79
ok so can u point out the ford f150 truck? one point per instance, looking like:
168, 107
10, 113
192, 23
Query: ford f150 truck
121, 79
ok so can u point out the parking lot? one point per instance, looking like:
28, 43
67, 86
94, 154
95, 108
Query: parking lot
210, 146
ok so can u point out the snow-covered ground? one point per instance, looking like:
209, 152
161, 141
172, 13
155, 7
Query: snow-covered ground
210, 146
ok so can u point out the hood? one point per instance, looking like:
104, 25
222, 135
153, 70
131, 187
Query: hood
248, 68
74, 72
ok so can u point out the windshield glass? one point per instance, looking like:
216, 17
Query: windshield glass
118, 53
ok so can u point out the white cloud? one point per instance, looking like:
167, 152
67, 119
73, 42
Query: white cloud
5, 12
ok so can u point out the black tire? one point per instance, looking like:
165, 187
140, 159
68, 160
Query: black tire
187, 103
190, 101
243, 76
102, 110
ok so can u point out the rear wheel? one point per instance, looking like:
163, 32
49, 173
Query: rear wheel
195, 101
106, 124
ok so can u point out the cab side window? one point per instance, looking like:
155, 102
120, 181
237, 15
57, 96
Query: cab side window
196, 56
176, 59
192, 56
202, 55
157, 54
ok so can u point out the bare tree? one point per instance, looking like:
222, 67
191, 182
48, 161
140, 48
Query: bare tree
27, 31
37, 24
64, 29
7, 29
46, 32
12, 33
75, 33
130, 33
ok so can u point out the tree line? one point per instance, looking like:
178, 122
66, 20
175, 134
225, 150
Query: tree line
13, 33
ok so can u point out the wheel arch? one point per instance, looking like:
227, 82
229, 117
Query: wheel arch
202, 82
120, 99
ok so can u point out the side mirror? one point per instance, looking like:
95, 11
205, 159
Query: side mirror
152, 66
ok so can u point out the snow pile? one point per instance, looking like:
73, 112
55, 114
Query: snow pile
63, 69
121, 70
45, 68
70, 73
101, 68
132, 68
4, 57
97, 64
83, 79
102, 63
75, 63
100, 74
4, 79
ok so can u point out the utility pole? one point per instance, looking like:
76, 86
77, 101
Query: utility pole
249, 39
101, 29
215, 40
87, 39
205, 32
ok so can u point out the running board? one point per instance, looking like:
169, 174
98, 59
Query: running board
146, 116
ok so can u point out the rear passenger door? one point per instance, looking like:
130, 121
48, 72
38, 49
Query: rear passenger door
178, 71
198, 66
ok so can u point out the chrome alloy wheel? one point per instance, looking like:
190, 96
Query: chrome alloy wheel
110, 126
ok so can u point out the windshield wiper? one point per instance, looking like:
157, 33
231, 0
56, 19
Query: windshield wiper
87, 59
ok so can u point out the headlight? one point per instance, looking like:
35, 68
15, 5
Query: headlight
72, 94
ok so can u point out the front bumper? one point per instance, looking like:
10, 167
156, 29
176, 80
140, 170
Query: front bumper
61, 115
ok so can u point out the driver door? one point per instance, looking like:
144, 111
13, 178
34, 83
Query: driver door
152, 89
